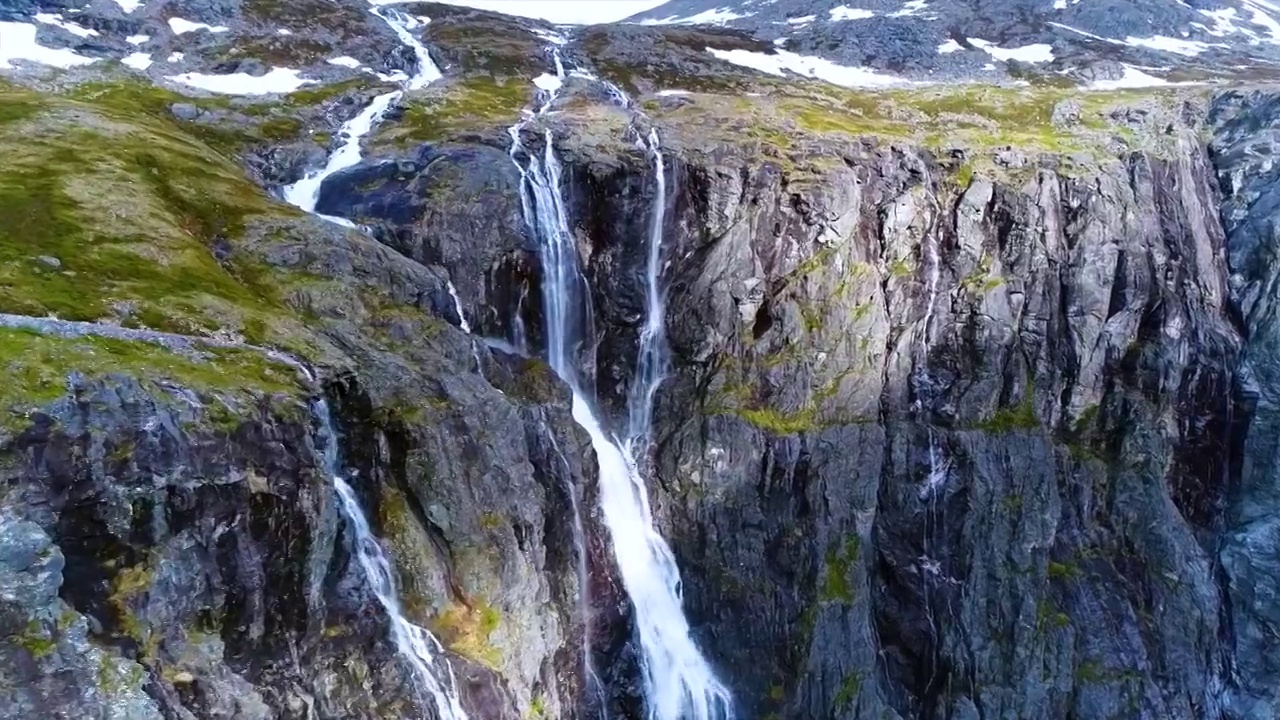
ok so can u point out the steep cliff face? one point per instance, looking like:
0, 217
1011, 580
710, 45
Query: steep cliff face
927, 433
1244, 135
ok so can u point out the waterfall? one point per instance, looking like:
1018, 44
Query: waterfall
421, 649
939, 465
679, 683
651, 367
306, 192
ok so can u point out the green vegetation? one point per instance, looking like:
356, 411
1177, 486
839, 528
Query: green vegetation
466, 628
840, 560
112, 209
979, 119
467, 105
538, 708
1021, 417
779, 423
36, 368
36, 640
848, 692
1063, 571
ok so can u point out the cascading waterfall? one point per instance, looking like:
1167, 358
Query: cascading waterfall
651, 367
679, 682
306, 192
418, 646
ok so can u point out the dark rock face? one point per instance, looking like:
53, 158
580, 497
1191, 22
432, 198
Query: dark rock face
925, 508
1246, 126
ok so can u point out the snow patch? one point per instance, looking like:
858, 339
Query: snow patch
1190, 48
345, 61
18, 42
1089, 35
1133, 78
781, 62
1262, 18
911, 7
949, 47
1036, 53
138, 60
129, 5
715, 16
137, 39
284, 31
175, 57
671, 93
844, 12
57, 21
279, 80
802, 20
180, 26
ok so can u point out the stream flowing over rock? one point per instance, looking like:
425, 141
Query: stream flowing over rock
594, 375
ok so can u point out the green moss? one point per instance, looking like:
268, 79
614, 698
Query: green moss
964, 176
36, 640
1063, 571
538, 709
848, 692
466, 630
902, 267
836, 587
467, 105
36, 368
1020, 418
780, 423
144, 219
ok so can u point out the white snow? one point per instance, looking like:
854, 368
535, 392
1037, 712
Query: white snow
137, 39
279, 80
714, 16
57, 21
911, 7
1261, 16
1133, 78
1167, 44
782, 61
180, 26
18, 42
284, 31
671, 93
1062, 4
345, 61
1036, 53
129, 5
802, 20
564, 12
138, 60
175, 57
844, 12
949, 47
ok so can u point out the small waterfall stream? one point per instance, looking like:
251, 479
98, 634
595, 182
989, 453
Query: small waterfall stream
679, 683
651, 367
417, 645
305, 193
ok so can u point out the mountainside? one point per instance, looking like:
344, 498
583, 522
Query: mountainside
1084, 40
740, 361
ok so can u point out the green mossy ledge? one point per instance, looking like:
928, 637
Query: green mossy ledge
113, 211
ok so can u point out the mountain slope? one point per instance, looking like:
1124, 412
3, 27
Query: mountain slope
1087, 40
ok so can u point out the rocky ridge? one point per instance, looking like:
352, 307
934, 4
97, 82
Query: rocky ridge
961, 375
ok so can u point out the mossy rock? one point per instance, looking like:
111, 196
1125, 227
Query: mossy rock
468, 105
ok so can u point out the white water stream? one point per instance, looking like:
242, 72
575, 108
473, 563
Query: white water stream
421, 649
305, 193
679, 683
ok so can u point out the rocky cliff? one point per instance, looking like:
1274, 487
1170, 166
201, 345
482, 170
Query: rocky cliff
969, 412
